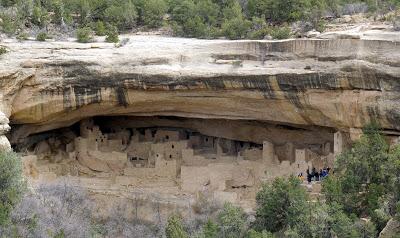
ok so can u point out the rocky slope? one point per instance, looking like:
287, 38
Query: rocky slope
338, 81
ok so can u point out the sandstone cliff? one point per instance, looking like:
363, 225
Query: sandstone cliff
334, 83
242, 112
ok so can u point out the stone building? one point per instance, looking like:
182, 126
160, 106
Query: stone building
173, 158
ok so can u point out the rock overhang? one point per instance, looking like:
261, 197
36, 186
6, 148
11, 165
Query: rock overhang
335, 83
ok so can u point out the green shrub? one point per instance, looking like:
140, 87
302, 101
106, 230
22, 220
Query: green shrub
199, 18
366, 182
8, 3
177, 29
320, 26
257, 34
123, 15
58, 8
208, 11
234, 25
9, 24
280, 33
232, 10
195, 27
153, 12
280, 204
255, 234
361, 176
195, 18
210, 230
278, 11
258, 29
183, 11
232, 221
392, 168
381, 216
42, 36
397, 207
332, 189
333, 6
84, 35
235, 28
324, 220
3, 50
22, 36
11, 183
100, 28
40, 16
314, 13
174, 228
112, 35
365, 228
59, 234
98, 230
84, 9
283, 207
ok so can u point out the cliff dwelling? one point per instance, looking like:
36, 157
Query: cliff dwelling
225, 159
162, 124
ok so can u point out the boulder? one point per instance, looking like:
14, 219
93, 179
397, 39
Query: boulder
268, 37
312, 34
4, 144
346, 19
3, 118
42, 148
92, 163
4, 129
391, 230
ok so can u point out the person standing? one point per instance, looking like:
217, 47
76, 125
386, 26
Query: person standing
308, 176
313, 174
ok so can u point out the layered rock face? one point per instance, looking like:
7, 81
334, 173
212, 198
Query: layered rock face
242, 112
336, 83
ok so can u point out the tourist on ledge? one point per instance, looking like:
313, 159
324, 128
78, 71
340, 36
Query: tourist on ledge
309, 177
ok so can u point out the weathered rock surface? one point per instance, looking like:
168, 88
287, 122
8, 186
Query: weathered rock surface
391, 230
336, 83
298, 91
4, 128
93, 163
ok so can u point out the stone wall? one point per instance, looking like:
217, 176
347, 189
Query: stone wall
169, 159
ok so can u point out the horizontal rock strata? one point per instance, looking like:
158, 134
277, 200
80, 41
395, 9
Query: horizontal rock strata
335, 83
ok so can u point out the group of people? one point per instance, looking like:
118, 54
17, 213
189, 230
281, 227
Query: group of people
315, 175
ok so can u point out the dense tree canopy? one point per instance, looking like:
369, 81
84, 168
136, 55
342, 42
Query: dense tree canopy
366, 182
361, 174
233, 19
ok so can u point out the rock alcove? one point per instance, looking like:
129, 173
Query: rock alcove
222, 116
231, 158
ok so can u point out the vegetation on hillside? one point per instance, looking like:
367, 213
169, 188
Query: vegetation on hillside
367, 181
11, 185
233, 19
42, 36
360, 198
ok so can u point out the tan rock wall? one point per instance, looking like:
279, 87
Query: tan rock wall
338, 83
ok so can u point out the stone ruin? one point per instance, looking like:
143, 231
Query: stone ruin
168, 160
